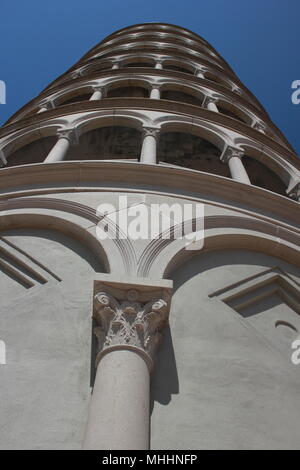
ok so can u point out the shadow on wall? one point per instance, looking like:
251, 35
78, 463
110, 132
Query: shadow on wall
209, 260
165, 381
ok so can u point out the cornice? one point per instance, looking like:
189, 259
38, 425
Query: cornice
127, 73
82, 176
218, 60
160, 106
172, 52
189, 34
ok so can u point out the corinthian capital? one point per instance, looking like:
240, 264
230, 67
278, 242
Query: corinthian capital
69, 134
230, 152
126, 319
153, 131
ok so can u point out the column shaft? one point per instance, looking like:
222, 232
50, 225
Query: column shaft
148, 154
212, 106
41, 110
119, 409
155, 94
59, 151
97, 95
237, 170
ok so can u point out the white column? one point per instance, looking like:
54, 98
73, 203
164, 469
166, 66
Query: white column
259, 126
200, 74
233, 157
211, 104
45, 106
128, 331
148, 153
158, 65
60, 149
98, 94
294, 193
122, 387
155, 92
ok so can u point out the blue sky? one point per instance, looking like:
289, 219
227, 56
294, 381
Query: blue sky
259, 39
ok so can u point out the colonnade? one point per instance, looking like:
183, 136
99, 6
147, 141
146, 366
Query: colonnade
231, 156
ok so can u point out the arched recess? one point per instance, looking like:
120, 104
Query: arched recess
48, 328
232, 111
220, 232
177, 68
74, 98
262, 176
42, 220
34, 151
191, 151
131, 91
107, 143
182, 96
216, 79
221, 353
135, 63
96, 67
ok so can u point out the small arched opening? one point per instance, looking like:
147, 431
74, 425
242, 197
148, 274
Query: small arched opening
107, 143
190, 151
33, 152
262, 176
174, 95
128, 92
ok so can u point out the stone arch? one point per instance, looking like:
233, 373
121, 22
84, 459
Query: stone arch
138, 88
39, 219
127, 119
191, 151
161, 46
161, 257
215, 78
233, 111
274, 163
103, 138
31, 146
82, 93
138, 61
182, 94
97, 66
262, 176
208, 132
71, 219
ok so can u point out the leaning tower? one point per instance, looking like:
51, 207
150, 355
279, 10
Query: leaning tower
124, 342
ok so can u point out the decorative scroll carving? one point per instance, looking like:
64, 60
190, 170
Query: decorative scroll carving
129, 324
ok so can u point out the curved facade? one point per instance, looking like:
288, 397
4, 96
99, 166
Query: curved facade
151, 115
